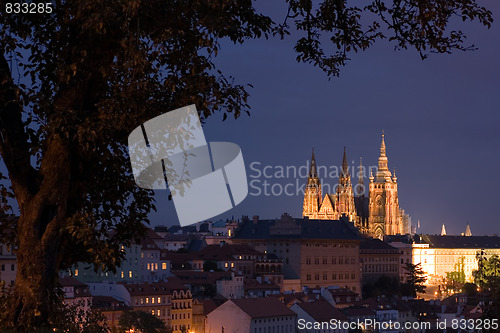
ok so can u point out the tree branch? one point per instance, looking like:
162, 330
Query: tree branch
14, 146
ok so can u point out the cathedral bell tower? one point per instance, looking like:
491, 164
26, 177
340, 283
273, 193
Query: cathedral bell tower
384, 213
312, 195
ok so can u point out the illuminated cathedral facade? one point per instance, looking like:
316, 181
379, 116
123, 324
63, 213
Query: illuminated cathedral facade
375, 214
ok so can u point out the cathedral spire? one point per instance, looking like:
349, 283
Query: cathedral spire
313, 173
383, 173
382, 146
344, 164
361, 182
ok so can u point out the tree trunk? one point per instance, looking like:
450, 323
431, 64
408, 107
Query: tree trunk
34, 292
39, 231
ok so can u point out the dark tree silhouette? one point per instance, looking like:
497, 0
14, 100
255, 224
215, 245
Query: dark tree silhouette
142, 322
76, 81
415, 280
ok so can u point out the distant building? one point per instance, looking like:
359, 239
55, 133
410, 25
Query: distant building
376, 214
8, 265
236, 257
441, 254
231, 286
378, 259
142, 263
170, 301
201, 308
340, 297
250, 315
260, 287
175, 242
318, 316
318, 253
76, 293
203, 284
404, 244
110, 308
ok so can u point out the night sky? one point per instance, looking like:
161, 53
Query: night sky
440, 116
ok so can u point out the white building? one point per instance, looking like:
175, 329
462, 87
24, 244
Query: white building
8, 265
317, 316
76, 293
252, 315
439, 255
231, 288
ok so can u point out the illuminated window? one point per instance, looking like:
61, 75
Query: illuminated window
76, 272
142, 254
130, 274
152, 300
164, 265
158, 312
147, 300
226, 265
122, 275
149, 268
159, 300
142, 300
229, 232
232, 264
156, 265
153, 312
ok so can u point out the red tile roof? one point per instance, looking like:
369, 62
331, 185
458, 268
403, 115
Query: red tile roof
71, 282
208, 306
155, 288
200, 278
262, 307
252, 284
321, 311
226, 252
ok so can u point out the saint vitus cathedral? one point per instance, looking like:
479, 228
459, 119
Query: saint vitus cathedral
375, 214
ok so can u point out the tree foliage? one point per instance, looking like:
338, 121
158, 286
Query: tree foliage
142, 322
458, 275
415, 280
488, 273
384, 285
75, 82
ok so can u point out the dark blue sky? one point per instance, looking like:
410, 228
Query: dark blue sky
440, 116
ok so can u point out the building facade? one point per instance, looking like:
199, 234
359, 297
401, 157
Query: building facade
376, 214
8, 265
316, 253
439, 255
378, 259
252, 315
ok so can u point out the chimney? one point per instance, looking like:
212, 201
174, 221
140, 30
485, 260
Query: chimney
210, 226
255, 219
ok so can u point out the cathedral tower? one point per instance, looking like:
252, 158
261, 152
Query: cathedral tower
384, 214
312, 195
345, 196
